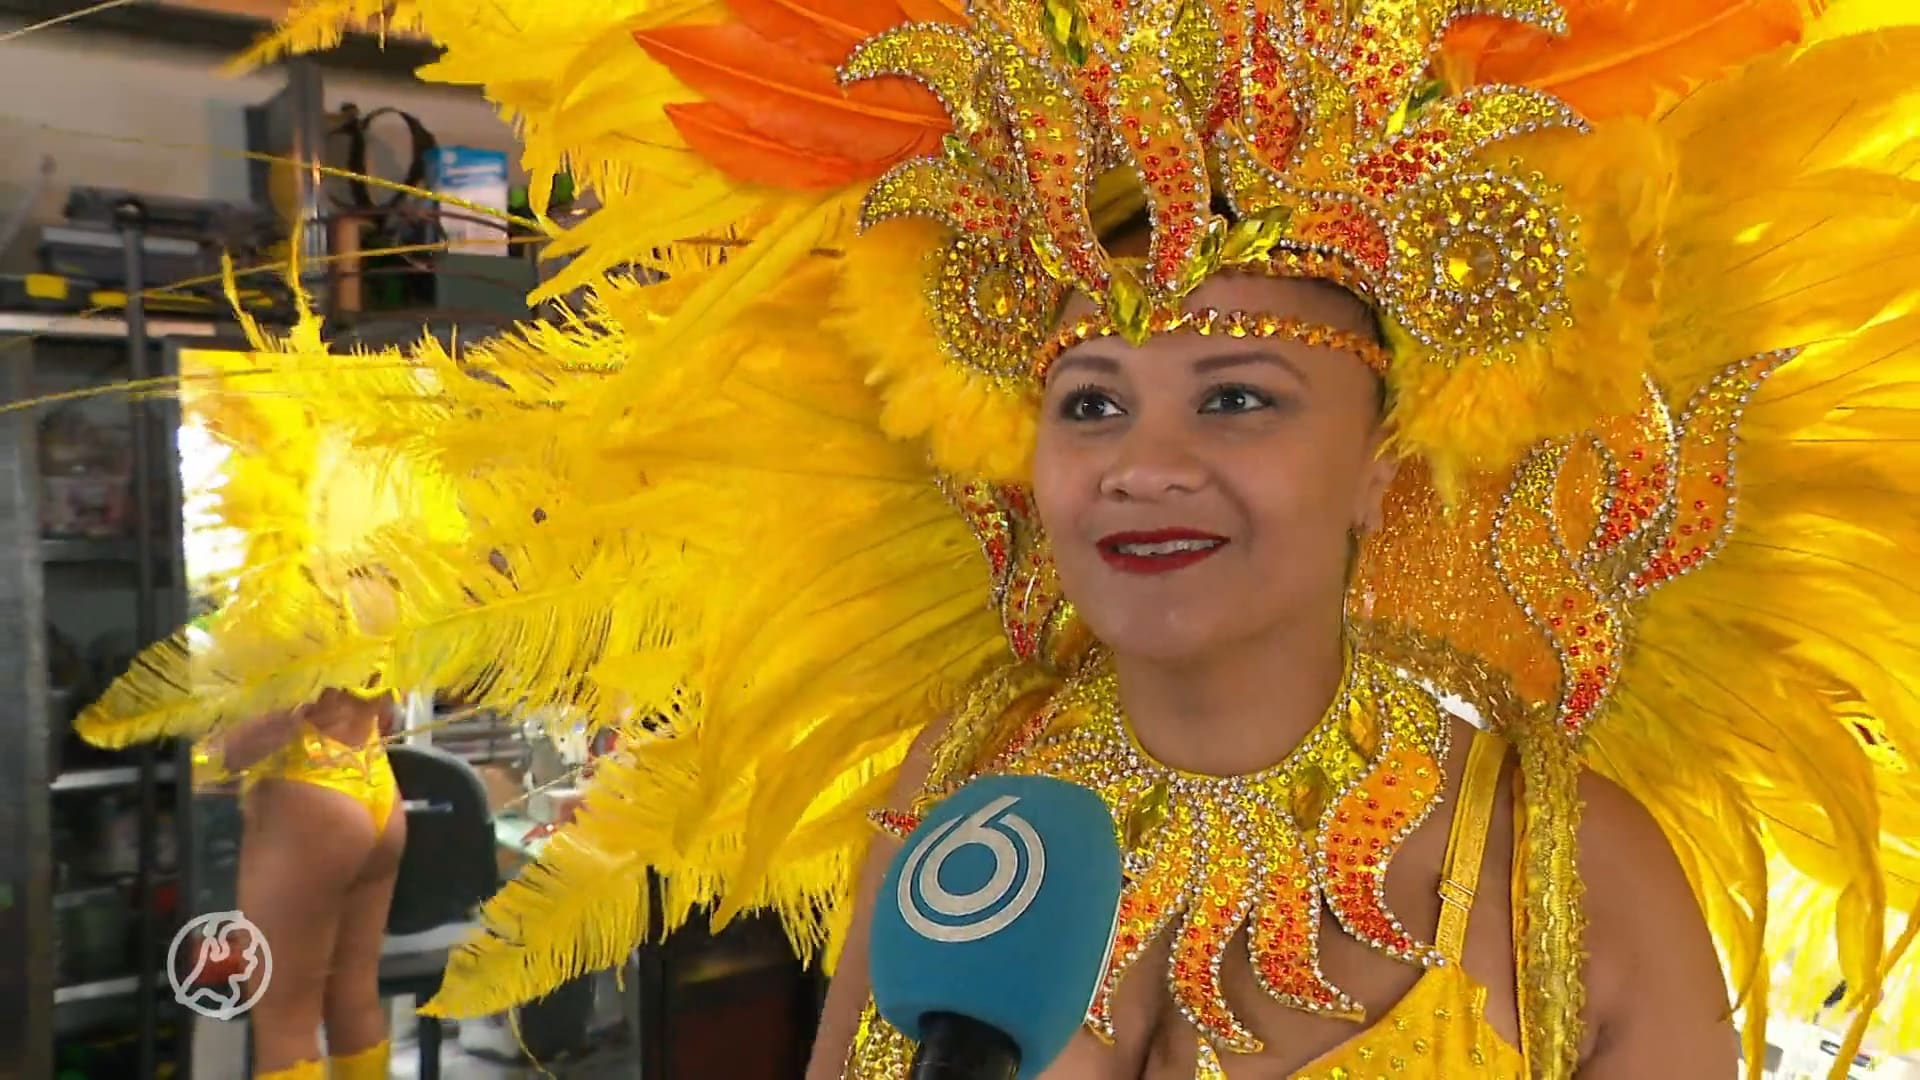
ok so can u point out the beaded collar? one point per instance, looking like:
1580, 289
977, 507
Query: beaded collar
1208, 857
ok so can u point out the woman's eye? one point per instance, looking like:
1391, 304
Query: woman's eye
1088, 405
1236, 399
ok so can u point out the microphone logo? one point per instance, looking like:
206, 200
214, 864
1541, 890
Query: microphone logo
937, 913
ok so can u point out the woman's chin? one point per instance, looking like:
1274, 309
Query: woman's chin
1159, 637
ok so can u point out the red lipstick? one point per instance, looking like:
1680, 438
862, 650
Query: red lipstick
1160, 551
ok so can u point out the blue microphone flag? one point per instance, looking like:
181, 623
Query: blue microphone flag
1000, 907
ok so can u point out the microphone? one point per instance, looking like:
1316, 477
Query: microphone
993, 926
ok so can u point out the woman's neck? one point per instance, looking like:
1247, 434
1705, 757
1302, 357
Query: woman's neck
1241, 707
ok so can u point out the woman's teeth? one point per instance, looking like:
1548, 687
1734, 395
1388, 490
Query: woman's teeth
1167, 547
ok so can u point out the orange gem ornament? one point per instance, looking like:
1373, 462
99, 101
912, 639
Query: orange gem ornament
1665, 498
1262, 852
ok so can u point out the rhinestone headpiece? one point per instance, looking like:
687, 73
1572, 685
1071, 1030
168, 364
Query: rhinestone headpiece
1320, 122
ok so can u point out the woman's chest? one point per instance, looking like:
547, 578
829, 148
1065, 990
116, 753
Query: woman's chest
1456, 1019
1416, 1022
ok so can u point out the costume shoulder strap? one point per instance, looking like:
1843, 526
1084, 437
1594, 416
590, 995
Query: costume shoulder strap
1549, 919
1467, 842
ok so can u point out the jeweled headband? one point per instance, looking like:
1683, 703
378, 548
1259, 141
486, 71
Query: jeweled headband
1208, 322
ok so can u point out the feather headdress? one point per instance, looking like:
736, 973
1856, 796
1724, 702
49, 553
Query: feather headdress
1649, 272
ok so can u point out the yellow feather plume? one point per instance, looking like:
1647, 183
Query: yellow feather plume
973, 425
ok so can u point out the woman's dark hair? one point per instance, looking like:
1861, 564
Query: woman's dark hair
1139, 223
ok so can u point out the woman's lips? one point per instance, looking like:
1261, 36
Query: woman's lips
1160, 551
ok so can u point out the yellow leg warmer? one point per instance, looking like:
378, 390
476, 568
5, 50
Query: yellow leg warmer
306, 1070
368, 1064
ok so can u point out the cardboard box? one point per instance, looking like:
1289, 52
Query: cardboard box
506, 790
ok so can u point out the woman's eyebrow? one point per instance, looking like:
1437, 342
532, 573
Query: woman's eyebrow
1091, 361
1207, 365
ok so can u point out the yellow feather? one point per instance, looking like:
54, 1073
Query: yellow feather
973, 425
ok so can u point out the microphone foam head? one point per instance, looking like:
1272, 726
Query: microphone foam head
1000, 907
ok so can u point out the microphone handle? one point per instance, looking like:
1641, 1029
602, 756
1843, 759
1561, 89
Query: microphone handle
955, 1047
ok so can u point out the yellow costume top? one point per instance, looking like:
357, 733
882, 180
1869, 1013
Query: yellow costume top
1647, 277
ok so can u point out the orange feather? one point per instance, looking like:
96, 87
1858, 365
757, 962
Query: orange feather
823, 31
745, 155
795, 103
1624, 59
940, 11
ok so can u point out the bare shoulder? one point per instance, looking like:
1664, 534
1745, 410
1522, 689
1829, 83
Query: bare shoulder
1617, 833
848, 990
917, 767
1656, 995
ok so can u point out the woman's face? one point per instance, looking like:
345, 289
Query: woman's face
1203, 490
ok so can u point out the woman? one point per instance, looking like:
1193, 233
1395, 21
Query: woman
318, 859
1205, 498
1421, 384
323, 826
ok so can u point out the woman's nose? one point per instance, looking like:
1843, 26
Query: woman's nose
1150, 464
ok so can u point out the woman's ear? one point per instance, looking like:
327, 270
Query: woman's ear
1375, 481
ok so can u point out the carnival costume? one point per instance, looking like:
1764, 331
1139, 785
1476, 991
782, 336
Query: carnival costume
294, 504
297, 502
1645, 274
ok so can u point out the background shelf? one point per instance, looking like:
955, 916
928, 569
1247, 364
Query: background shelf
118, 776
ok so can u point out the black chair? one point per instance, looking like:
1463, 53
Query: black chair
448, 869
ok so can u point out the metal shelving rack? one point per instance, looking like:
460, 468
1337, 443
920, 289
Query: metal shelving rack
147, 566
26, 814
